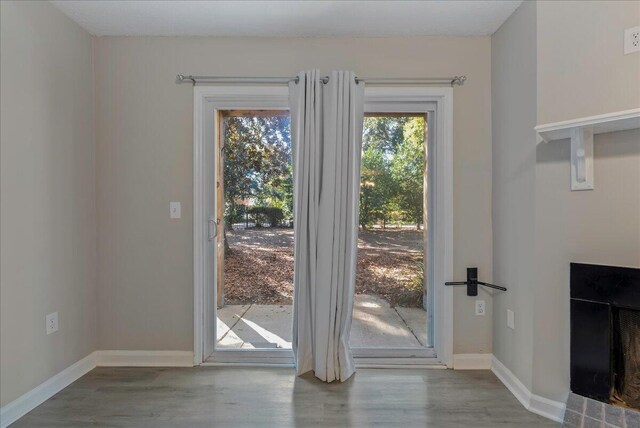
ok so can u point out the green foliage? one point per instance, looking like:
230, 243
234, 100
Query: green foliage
393, 166
383, 133
258, 170
408, 170
271, 215
377, 187
257, 164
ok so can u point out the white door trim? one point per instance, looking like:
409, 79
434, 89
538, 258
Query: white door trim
209, 98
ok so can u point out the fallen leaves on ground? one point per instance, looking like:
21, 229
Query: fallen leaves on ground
259, 268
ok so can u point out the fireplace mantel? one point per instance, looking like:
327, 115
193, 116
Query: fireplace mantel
580, 131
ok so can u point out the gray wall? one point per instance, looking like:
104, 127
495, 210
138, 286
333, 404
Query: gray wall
580, 71
601, 226
513, 109
48, 215
144, 128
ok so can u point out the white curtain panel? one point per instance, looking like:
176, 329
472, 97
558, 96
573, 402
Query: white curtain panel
326, 133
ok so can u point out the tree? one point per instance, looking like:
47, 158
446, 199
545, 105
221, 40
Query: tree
371, 198
408, 169
271, 215
381, 138
383, 132
377, 188
256, 159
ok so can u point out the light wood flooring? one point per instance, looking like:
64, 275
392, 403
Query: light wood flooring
275, 397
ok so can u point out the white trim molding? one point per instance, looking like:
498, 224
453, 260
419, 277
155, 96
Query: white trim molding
472, 361
144, 359
581, 132
537, 404
600, 124
22, 405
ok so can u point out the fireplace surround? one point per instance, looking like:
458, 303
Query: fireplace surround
605, 334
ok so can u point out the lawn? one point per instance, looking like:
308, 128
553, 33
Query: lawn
259, 268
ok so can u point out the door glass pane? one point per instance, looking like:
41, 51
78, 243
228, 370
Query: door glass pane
391, 300
255, 263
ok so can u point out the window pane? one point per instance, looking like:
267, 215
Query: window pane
256, 289
390, 299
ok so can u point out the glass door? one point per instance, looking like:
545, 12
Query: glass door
255, 250
392, 300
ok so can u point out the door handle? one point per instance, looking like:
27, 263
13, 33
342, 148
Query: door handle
213, 228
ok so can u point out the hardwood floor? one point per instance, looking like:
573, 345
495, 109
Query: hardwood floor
275, 397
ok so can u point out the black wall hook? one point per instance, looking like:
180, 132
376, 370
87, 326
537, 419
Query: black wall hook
472, 282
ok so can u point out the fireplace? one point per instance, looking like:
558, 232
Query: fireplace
605, 334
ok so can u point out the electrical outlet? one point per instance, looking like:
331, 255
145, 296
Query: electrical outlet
632, 40
511, 321
52, 323
480, 307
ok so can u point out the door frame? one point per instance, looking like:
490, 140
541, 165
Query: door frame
437, 103
208, 99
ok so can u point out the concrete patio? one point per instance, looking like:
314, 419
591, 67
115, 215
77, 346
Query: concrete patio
375, 324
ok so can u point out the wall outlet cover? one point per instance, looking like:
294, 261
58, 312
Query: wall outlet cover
632, 40
52, 323
511, 321
480, 307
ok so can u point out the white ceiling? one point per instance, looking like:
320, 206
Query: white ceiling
288, 18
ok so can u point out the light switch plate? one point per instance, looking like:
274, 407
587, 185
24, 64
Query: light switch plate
174, 210
511, 321
52, 323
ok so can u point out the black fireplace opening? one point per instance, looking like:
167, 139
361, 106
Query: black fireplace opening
605, 333
626, 358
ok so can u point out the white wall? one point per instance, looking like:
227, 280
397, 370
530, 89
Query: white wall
144, 128
513, 109
47, 216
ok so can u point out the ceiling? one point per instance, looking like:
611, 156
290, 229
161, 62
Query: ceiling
288, 18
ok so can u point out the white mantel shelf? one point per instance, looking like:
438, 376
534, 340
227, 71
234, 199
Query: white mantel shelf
601, 124
581, 132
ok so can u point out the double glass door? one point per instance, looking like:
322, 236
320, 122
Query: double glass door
254, 192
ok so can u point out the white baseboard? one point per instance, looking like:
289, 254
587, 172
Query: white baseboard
47, 389
472, 361
550, 409
41, 393
542, 406
145, 358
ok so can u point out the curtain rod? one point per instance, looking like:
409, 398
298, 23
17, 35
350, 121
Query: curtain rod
456, 80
